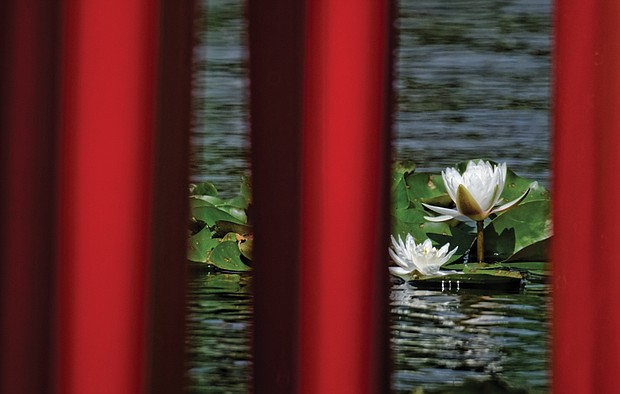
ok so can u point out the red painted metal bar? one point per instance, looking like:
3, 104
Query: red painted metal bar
606, 230
276, 62
574, 154
586, 319
29, 43
344, 213
106, 184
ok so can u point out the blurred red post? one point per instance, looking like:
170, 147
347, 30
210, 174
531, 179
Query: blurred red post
606, 220
94, 137
586, 320
105, 194
345, 198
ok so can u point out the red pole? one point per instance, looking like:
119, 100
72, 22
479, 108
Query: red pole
344, 212
586, 319
605, 222
106, 154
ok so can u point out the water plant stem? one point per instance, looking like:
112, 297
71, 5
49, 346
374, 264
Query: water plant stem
480, 240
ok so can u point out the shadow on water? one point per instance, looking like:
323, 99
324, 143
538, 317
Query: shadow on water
472, 81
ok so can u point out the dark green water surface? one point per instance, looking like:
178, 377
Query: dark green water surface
473, 81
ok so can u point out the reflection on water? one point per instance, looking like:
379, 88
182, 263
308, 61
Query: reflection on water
219, 322
473, 81
441, 340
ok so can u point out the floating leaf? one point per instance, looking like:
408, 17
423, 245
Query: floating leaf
202, 189
200, 245
423, 187
519, 228
226, 256
515, 186
212, 214
400, 197
223, 227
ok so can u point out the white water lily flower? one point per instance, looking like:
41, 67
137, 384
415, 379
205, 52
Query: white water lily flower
423, 257
476, 192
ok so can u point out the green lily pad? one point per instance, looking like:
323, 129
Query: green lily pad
402, 168
400, 197
226, 256
238, 202
426, 188
202, 189
515, 186
210, 215
195, 202
223, 227
507, 236
200, 245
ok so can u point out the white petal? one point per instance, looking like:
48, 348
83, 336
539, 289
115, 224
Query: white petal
511, 204
398, 259
446, 213
442, 210
438, 219
427, 244
443, 249
399, 271
450, 253
396, 244
451, 179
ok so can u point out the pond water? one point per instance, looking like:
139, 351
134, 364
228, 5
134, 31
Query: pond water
473, 81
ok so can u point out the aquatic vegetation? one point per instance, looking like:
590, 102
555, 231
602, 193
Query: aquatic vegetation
422, 257
220, 235
476, 192
516, 240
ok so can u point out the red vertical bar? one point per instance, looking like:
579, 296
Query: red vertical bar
29, 43
106, 154
586, 320
574, 164
605, 222
343, 240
